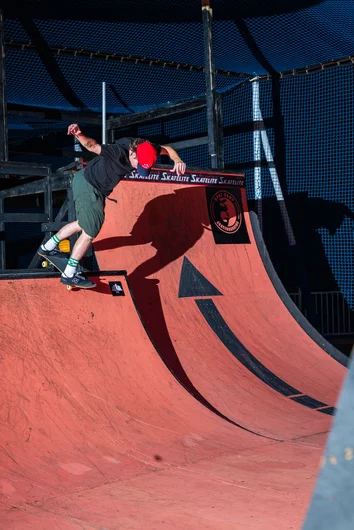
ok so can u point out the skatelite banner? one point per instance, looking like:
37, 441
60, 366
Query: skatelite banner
190, 177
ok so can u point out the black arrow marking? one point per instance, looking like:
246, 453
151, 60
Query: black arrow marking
238, 350
193, 283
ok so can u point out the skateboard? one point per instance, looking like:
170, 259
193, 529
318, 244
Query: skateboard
60, 263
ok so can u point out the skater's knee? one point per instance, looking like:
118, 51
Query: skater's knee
86, 237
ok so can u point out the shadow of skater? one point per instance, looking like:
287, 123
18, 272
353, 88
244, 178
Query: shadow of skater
305, 267
309, 215
172, 223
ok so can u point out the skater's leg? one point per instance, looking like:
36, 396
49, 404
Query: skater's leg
64, 233
80, 248
68, 230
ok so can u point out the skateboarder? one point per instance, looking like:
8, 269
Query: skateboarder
92, 185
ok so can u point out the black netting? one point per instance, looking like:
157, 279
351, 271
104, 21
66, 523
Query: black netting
308, 120
305, 37
22, 127
319, 121
139, 86
55, 162
31, 85
195, 156
146, 88
193, 124
163, 41
319, 165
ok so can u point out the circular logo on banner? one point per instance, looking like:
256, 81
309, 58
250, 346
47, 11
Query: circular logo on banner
225, 212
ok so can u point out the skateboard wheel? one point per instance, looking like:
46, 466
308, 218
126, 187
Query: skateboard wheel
69, 287
45, 264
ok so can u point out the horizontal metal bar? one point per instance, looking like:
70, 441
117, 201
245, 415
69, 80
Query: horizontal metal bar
118, 57
92, 118
23, 217
71, 166
26, 274
61, 182
22, 169
193, 142
24, 189
38, 186
306, 70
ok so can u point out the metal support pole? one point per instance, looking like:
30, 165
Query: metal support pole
48, 200
104, 127
111, 136
219, 132
4, 145
213, 108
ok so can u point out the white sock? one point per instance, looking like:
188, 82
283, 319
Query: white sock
71, 267
51, 243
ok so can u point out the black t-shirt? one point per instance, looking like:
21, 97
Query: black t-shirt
106, 170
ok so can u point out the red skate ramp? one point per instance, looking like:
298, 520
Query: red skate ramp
211, 414
97, 433
213, 313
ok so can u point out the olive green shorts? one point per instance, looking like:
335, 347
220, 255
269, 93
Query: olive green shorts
89, 205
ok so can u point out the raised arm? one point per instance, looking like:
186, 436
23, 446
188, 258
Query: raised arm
179, 166
89, 143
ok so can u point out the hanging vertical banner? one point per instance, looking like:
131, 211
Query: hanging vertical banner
227, 216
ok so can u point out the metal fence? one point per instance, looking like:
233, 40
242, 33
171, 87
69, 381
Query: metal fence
334, 316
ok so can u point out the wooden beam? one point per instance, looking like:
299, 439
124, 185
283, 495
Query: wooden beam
112, 123
157, 113
193, 142
84, 116
38, 186
24, 169
23, 217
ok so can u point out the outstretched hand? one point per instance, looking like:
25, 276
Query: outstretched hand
74, 129
179, 167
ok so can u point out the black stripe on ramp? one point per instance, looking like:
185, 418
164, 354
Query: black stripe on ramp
229, 339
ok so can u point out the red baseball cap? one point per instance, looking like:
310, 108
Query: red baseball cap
147, 156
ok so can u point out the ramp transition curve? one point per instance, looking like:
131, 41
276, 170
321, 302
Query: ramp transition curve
196, 400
